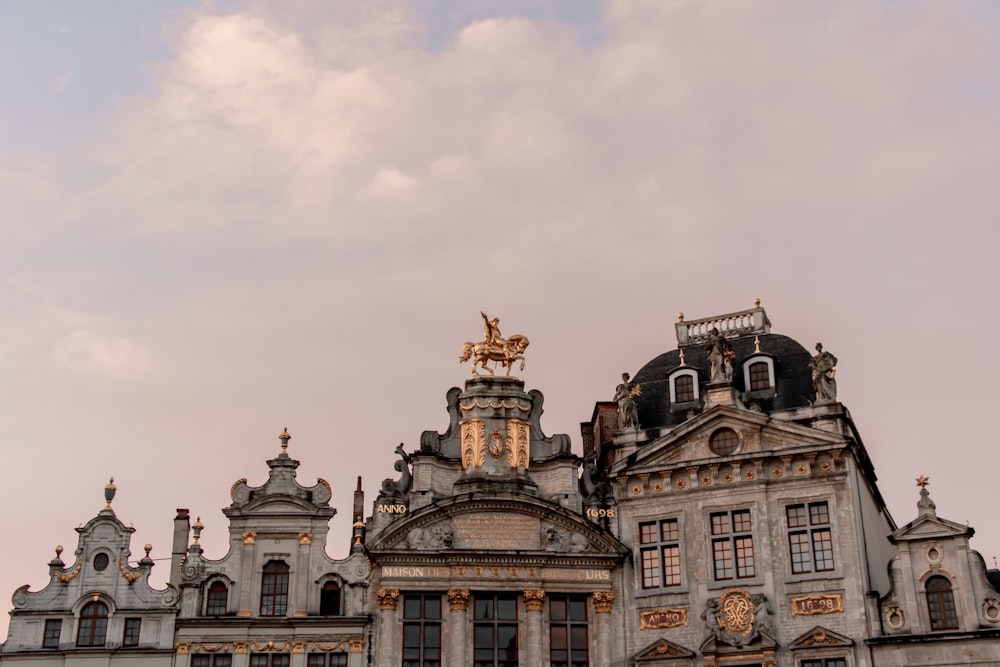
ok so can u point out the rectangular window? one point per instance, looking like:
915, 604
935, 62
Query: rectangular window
683, 389
810, 539
421, 631
53, 628
568, 642
269, 660
660, 553
732, 545
217, 660
327, 660
131, 635
495, 631
824, 662
274, 589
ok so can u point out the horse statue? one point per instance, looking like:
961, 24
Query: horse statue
505, 354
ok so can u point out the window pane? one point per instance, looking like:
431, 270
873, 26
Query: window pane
647, 532
279, 660
671, 566
53, 628
723, 556
796, 516
668, 530
683, 389
741, 521
819, 513
131, 636
223, 661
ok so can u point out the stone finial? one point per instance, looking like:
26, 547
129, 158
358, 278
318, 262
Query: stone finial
680, 317
109, 492
57, 561
146, 560
756, 302
196, 528
756, 344
925, 506
682, 358
284, 438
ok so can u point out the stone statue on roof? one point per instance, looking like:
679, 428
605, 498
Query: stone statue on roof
625, 393
720, 357
824, 375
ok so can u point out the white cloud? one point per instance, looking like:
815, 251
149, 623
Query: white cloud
89, 351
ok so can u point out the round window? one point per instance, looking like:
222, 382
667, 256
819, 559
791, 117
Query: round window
724, 442
101, 561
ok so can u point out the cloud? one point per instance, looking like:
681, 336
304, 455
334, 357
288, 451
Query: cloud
89, 351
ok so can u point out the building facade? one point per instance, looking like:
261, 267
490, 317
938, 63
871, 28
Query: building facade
724, 512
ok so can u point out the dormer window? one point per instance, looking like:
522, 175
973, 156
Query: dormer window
683, 384
329, 599
758, 376
941, 604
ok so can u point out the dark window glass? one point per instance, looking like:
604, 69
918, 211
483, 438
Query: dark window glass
101, 561
941, 604
269, 660
760, 376
217, 660
329, 599
732, 545
661, 559
724, 442
810, 539
421, 631
53, 628
93, 625
327, 660
131, 635
683, 389
218, 599
495, 631
824, 662
568, 645
274, 589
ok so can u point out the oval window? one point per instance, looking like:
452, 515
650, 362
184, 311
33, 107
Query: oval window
724, 442
101, 561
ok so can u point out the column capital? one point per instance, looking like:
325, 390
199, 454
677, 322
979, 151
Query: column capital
603, 600
458, 599
388, 598
533, 600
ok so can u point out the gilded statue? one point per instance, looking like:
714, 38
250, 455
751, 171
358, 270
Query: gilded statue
502, 351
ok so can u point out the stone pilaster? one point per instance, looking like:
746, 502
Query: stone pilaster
388, 601
603, 601
534, 601
458, 625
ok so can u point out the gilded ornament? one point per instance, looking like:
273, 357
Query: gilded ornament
495, 405
305, 538
603, 601
357, 645
299, 647
501, 351
66, 578
473, 443
659, 619
458, 598
250, 537
129, 576
533, 600
326, 648
182, 648
518, 437
809, 605
388, 598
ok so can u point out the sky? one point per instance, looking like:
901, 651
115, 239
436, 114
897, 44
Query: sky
219, 219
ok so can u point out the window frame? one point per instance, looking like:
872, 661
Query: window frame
95, 625
945, 597
324, 604
212, 598
424, 624
274, 585
683, 371
732, 538
810, 529
771, 389
327, 659
216, 660
572, 603
131, 632
658, 546
52, 639
832, 661
270, 660
495, 623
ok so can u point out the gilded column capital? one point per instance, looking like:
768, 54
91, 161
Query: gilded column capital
388, 598
533, 600
182, 648
603, 600
458, 599
357, 645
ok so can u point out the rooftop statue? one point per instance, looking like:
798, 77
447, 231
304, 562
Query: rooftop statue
502, 351
625, 393
824, 375
720, 357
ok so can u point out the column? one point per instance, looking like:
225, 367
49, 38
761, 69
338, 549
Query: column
388, 627
458, 627
603, 600
533, 603
248, 575
181, 658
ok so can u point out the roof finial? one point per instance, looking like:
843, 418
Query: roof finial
925, 506
756, 302
923, 481
682, 357
680, 317
284, 438
756, 344
196, 529
109, 492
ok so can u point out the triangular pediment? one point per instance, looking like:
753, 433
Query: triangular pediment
929, 526
820, 637
496, 523
758, 434
662, 652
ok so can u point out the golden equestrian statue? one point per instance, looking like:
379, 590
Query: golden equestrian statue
502, 351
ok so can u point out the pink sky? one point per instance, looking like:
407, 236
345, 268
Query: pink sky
293, 219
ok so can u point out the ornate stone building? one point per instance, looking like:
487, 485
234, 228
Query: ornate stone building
724, 512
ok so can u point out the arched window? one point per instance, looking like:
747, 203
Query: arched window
941, 604
274, 589
760, 376
218, 599
329, 599
93, 628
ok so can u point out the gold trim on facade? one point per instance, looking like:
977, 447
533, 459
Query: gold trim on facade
494, 405
458, 599
518, 437
129, 576
250, 537
305, 538
473, 443
660, 619
66, 578
534, 600
808, 605
388, 598
182, 648
603, 601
